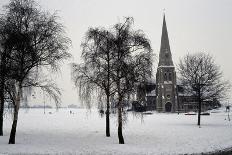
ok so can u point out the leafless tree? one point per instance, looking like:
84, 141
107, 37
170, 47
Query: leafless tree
114, 61
132, 64
2, 82
201, 77
36, 40
4, 66
93, 76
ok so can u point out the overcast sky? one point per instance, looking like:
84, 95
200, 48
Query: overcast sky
193, 26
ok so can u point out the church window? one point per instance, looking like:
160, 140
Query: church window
170, 76
165, 77
166, 55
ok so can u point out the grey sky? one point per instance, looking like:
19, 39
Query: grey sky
193, 26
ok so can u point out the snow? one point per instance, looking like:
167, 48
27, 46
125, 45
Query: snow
162, 66
84, 133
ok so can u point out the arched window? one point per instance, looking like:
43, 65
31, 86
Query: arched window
170, 76
165, 77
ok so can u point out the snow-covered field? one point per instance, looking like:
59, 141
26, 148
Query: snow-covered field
84, 133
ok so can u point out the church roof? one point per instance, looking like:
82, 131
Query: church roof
165, 56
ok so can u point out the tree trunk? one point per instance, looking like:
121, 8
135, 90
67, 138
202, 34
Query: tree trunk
2, 88
199, 109
13, 131
14, 126
1, 116
1, 107
108, 117
120, 136
178, 100
15, 119
108, 96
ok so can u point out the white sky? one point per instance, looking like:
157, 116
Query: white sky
193, 26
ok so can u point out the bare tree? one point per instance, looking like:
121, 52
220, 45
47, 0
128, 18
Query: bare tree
201, 77
4, 66
93, 76
132, 64
114, 61
36, 40
2, 84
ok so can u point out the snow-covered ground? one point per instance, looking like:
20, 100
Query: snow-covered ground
84, 133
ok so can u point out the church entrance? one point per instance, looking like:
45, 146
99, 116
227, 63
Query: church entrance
168, 107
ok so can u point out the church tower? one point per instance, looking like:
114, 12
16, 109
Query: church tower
166, 96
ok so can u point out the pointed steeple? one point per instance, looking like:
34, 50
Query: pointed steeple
165, 56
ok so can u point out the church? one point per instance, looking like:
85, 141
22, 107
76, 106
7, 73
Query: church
165, 95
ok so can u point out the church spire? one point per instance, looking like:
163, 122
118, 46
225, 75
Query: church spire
165, 56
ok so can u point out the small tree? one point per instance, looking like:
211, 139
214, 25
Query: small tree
4, 67
36, 40
93, 76
201, 77
132, 64
2, 83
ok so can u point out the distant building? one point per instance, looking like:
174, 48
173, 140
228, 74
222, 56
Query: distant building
165, 95
146, 97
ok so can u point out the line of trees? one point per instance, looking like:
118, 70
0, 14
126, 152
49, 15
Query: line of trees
114, 61
30, 40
